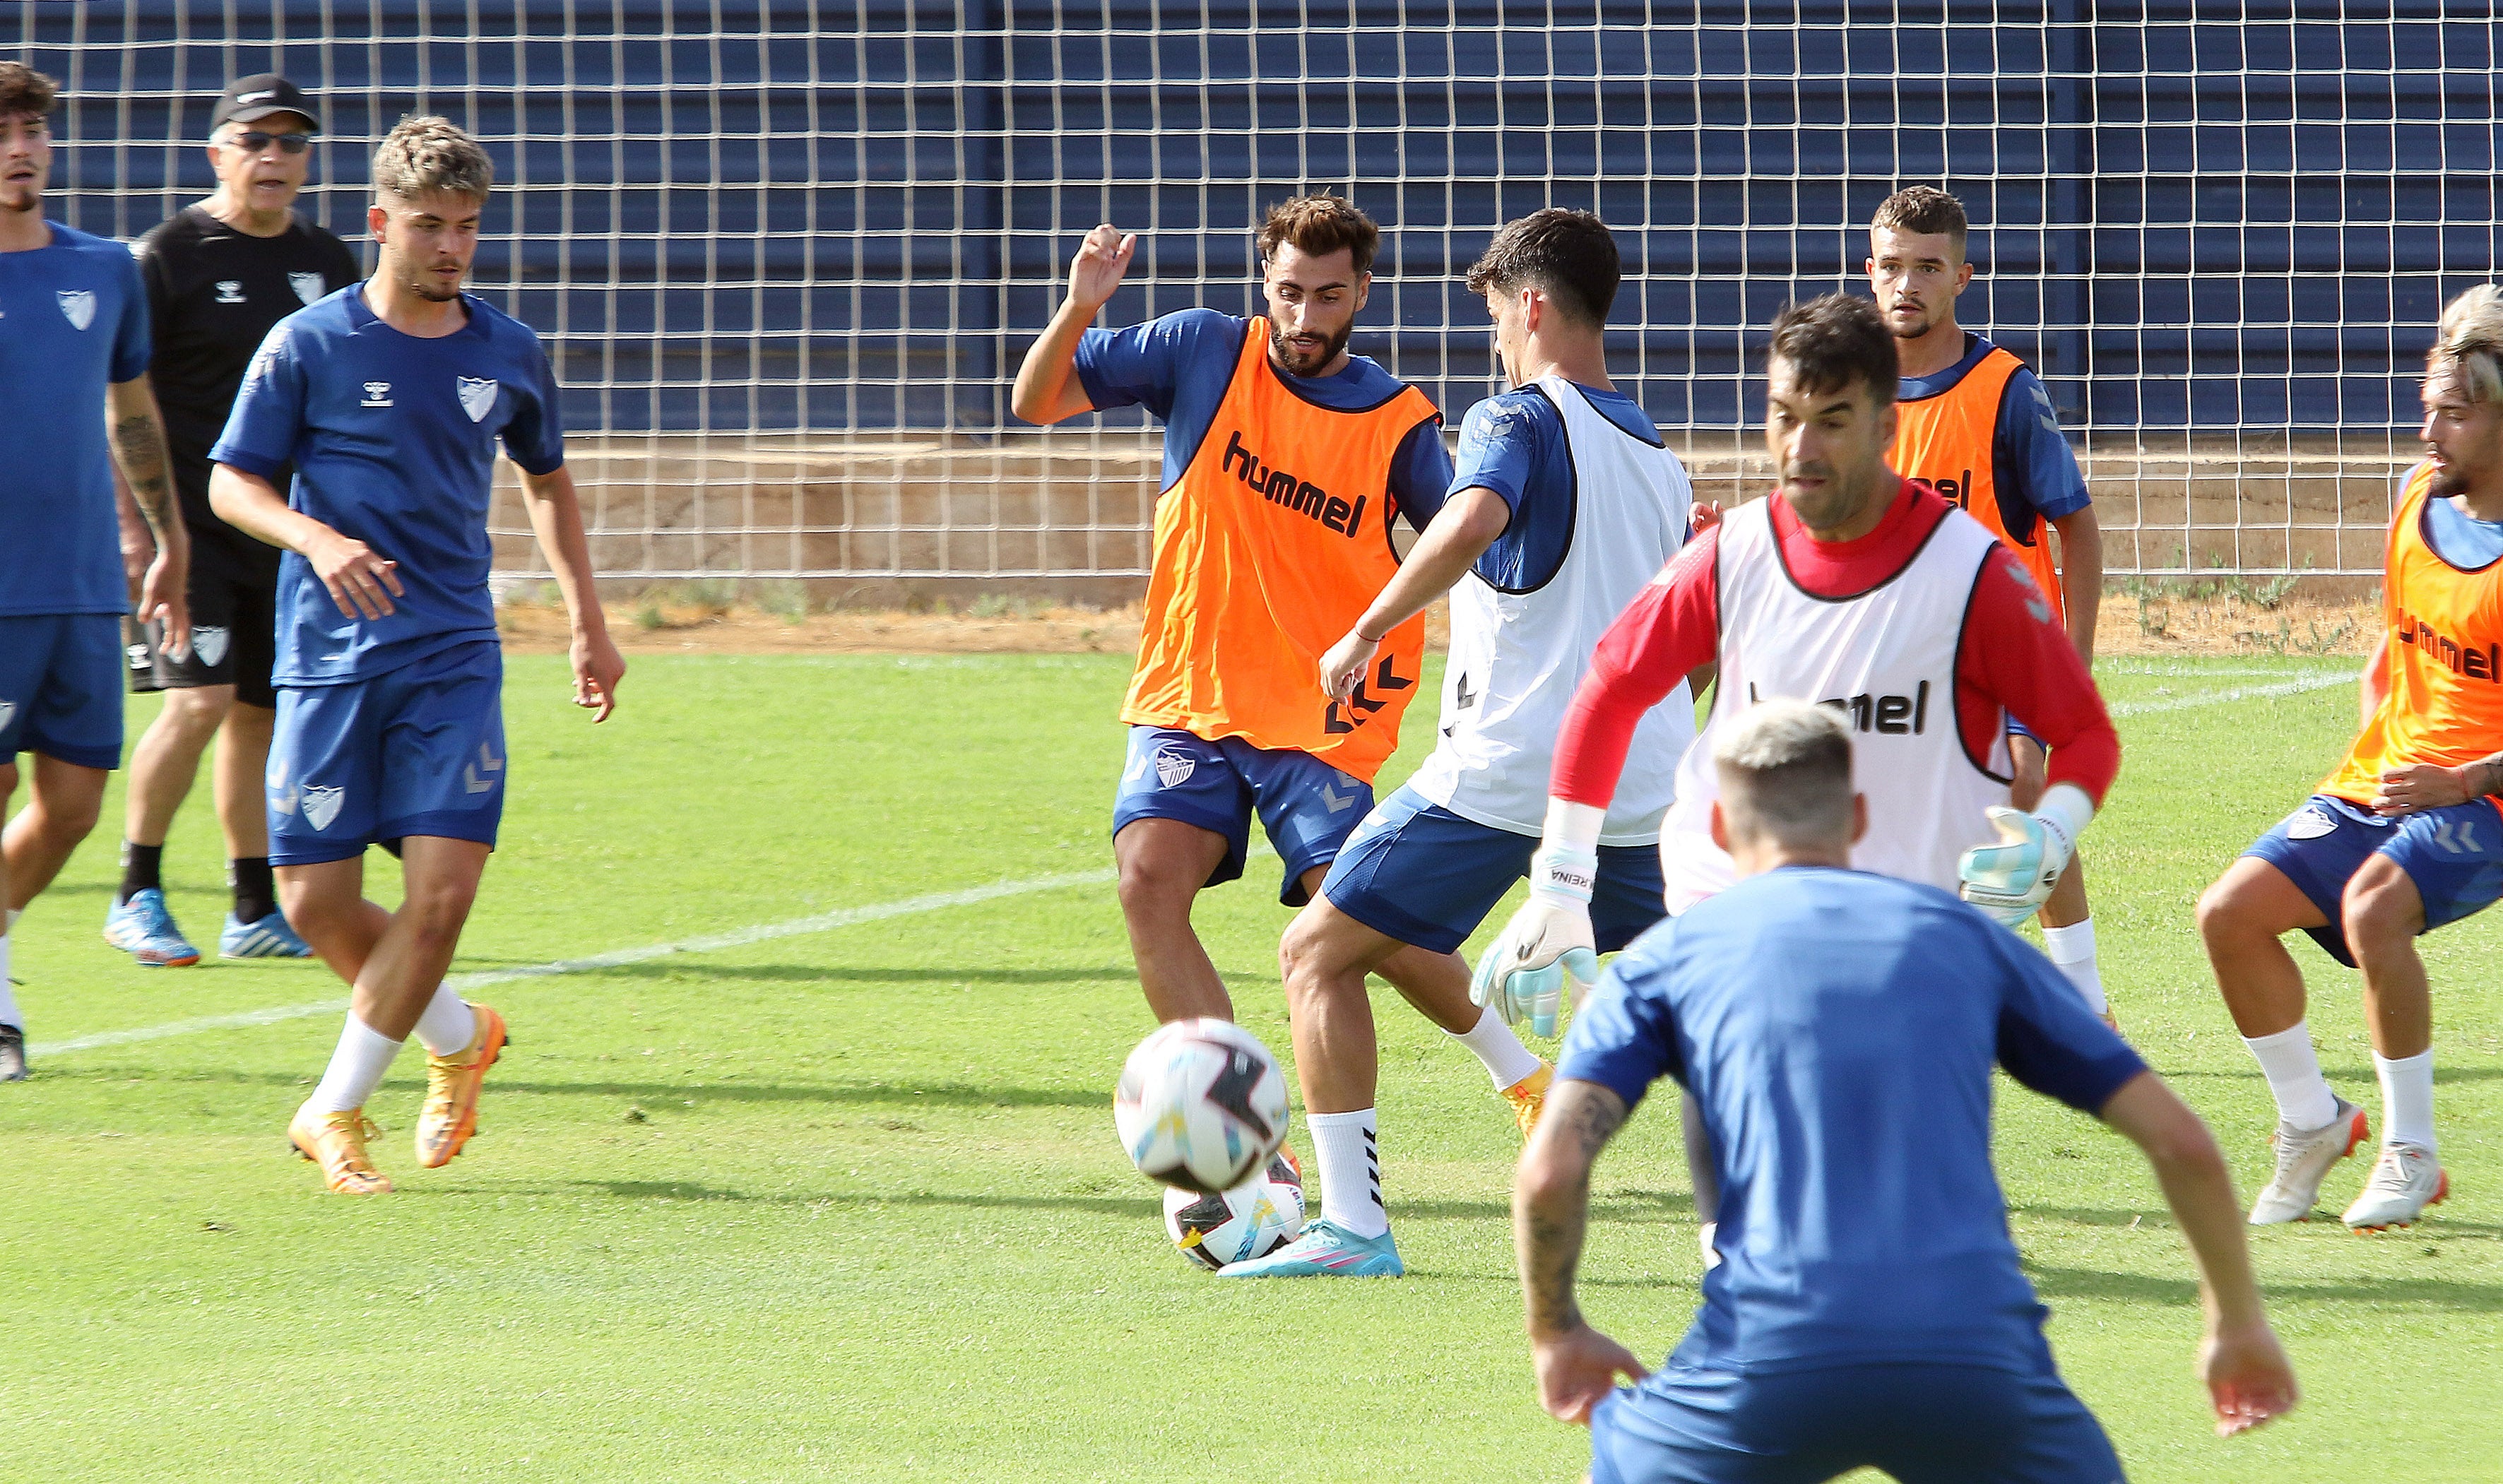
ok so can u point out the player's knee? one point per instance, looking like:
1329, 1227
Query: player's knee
200, 711
2226, 914
1150, 893
439, 908
1301, 957
2381, 907
68, 816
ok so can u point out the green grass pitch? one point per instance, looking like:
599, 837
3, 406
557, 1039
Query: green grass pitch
846, 1204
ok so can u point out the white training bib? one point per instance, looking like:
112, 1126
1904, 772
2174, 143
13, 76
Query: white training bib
1885, 660
1517, 657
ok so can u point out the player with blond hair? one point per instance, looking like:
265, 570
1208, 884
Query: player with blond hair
2406, 835
1285, 460
389, 398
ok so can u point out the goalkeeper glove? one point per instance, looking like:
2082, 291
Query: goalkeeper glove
2010, 880
1546, 948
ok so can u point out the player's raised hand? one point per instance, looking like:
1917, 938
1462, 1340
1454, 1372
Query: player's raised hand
361, 582
1547, 950
1346, 664
1577, 1369
2419, 787
2248, 1377
1097, 269
1702, 516
597, 669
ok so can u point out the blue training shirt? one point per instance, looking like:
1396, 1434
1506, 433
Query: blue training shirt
2460, 538
1837, 1029
1179, 366
2028, 455
394, 438
72, 321
1514, 444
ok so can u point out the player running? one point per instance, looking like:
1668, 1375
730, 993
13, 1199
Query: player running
74, 354
1565, 505
1974, 424
1839, 1029
1285, 459
389, 399
2407, 834
220, 275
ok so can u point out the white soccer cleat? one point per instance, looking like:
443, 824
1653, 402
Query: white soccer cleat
2303, 1161
2405, 1180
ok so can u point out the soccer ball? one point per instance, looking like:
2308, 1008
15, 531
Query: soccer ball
1201, 1105
1249, 1221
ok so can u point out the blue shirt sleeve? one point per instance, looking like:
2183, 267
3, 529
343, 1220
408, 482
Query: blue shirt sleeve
2032, 453
1624, 1037
535, 437
2048, 1040
131, 346
260, 434
1144, 366
1421, 473
1499, 450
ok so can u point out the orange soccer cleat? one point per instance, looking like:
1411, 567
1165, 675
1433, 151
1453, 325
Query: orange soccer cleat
336, 1141
452, 1083
1528, 1096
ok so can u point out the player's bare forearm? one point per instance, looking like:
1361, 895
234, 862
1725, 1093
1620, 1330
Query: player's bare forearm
1551, 1200
2081, 576
252, 505
1046, 389
139, 454
2199, 1188
138, 547
1457, 537
556, 519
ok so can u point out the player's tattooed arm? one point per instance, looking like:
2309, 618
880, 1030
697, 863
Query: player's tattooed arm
1551, 1198
138, 438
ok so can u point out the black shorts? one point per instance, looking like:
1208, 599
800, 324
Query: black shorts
234, 627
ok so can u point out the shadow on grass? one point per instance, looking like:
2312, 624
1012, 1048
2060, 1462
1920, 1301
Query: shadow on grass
694, 966
2340, 1076
715, 1087
2056, 1283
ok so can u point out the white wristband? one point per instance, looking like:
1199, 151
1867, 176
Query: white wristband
1564, 876
2068, 809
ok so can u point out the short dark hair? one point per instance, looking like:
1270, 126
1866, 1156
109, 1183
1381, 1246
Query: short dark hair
1833, 343
1571, 255
1320, 225
25, 92
1922, 209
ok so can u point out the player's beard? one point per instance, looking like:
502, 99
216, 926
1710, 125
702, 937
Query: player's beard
2447, 482
1302, 364
421, 287
1926, 324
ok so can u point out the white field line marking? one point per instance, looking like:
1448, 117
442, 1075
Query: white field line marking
826, 922
2227, 698
823, 922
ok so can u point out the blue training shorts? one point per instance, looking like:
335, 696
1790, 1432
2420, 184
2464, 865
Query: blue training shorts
1923, 1423
416, 750
60, 687
1307, 806
1418, 872
2453, 854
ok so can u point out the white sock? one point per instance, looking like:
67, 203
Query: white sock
448, 1024
2407, 1099
355, 1068
1350, 1171
1506, 1060
9, 1015
2293, 1072
2071, 950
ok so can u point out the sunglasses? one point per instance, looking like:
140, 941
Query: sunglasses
254, 141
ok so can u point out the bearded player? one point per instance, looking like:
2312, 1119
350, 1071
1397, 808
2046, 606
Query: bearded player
389, 398
1974, 424
2407, 834
1565, 503
1856, 587
1284, 461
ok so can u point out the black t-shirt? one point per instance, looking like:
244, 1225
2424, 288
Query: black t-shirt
212, 294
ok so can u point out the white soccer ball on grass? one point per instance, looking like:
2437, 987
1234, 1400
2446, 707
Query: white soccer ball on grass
1249, 1221
1201, 1106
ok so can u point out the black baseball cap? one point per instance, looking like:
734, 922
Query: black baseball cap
260, 95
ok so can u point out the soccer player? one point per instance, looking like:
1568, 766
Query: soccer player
73, 351
220, 275
1974, 424
389, 398
1839, 1029
2406, 835
1285, 459
1563, 506
1857, 587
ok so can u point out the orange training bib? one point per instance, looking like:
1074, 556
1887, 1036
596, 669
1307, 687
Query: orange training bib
1945, 442
1267, 550
2444, 698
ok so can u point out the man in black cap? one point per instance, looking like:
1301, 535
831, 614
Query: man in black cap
220, 275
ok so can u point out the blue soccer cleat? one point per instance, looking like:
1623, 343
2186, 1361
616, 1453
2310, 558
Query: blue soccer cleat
142, 928
1325, 1250
268, 938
